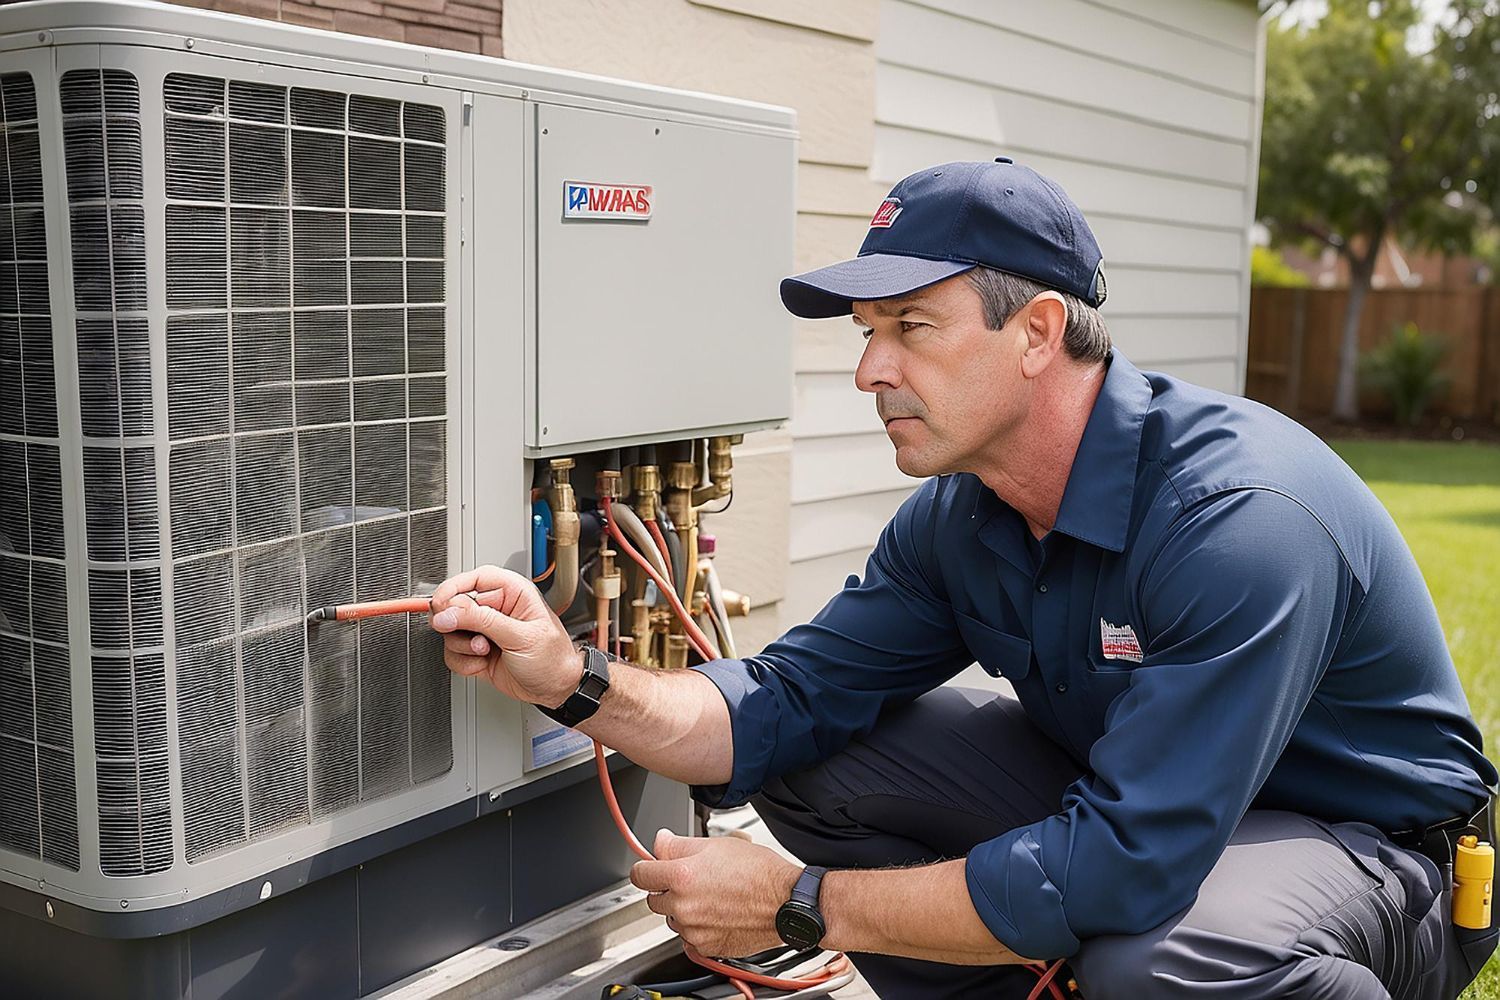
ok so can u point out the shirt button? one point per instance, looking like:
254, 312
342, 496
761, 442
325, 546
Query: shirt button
1041, 588
1062, 687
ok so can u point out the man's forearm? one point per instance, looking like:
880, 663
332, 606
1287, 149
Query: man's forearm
911, 912
674, 723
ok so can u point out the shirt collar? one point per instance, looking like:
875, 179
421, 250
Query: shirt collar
1101, 488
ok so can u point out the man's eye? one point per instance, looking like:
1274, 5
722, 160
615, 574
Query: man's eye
909, 327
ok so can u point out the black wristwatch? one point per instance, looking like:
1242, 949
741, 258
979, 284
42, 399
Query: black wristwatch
799, 921
584, 701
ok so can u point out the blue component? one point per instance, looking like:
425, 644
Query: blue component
541, 527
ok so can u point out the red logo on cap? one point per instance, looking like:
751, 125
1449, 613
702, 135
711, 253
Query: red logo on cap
886, 214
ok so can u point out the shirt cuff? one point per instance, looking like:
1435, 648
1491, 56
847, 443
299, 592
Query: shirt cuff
1016, 898
751, 728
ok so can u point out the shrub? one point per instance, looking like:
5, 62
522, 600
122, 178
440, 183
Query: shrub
1406, 368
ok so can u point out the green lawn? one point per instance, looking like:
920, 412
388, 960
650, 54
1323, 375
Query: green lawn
1446, 498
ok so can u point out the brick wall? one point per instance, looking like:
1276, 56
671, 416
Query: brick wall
470, 26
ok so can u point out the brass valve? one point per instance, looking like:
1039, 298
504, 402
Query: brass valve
648, 492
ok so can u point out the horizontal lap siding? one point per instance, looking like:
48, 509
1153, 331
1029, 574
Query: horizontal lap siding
1144, 110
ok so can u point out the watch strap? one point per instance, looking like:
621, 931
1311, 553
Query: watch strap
808, 885
584, 701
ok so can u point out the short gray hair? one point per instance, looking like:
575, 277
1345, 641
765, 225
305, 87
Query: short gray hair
1002, 294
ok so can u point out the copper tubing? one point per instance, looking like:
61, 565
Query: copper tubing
371, 609
395, 606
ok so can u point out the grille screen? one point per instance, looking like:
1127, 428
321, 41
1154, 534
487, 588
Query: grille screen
38, 804
102, 144
306, 347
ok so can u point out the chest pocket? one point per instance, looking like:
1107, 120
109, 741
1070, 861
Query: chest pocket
1000, 654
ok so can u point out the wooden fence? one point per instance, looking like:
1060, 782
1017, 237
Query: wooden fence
1294, 345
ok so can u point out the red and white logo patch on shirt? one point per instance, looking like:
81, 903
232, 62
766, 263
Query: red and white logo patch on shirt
1119, 642
886, 214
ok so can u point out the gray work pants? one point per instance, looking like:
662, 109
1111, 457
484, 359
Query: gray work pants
1295, 907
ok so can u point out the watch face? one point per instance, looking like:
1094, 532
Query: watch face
799, 925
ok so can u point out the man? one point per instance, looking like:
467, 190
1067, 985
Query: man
1240, 757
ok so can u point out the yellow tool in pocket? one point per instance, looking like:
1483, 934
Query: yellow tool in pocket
1473, 882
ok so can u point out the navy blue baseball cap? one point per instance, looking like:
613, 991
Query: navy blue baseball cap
948, 219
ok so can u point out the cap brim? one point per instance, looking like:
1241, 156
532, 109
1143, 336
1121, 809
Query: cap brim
833, 290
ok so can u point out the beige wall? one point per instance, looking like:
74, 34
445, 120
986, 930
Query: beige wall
1147, 111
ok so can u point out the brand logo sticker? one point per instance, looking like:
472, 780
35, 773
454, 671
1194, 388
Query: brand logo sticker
585, 200
1119, 642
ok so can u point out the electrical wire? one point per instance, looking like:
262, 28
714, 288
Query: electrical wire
661, 546
639, 533
716, 604
740, 978
694, 633
1046, 974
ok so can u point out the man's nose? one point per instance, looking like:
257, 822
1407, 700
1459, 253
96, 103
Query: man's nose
877, 366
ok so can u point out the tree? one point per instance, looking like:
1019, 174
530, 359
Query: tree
1368, 136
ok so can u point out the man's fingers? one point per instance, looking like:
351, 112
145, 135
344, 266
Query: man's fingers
670, 847
466, 644
660, 902
466, 666
463, 615
481, 580
653, 876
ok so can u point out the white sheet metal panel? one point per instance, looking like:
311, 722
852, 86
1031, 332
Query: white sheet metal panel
718, 242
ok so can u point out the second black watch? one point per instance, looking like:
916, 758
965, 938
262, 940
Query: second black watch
799, 921
584, 701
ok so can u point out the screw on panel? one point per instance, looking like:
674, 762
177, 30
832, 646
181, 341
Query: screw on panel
495, 795
544, 430
124, 904
41, 36
265, 891
525, 94
426, 78
189, 43
544, 131
513, 944
50, 912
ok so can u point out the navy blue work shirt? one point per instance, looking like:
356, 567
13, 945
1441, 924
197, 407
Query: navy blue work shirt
1222, 618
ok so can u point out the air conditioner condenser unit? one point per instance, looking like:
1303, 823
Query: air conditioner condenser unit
291, 319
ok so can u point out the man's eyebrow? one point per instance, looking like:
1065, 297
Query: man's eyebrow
904, 306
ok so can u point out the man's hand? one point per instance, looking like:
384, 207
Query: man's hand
721, 894
513, 639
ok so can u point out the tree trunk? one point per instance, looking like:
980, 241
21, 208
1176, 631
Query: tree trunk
1346, 392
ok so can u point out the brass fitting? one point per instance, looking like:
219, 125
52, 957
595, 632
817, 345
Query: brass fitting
565, 532
607, 484
608, 581
648, 492
737, 604
677, 652
640, 633
682, 475
720, 472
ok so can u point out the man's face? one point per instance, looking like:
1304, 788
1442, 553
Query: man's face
946, 386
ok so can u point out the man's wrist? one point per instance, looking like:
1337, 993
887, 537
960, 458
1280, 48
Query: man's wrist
574, 676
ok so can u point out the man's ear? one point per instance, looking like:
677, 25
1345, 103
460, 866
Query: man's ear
1044, 321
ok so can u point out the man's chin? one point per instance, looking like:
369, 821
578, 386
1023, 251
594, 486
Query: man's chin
910, 462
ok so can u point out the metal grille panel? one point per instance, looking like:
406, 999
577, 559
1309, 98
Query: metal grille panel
102, 144
38, 795
306, 354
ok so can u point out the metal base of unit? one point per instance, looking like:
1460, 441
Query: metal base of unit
372, 924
